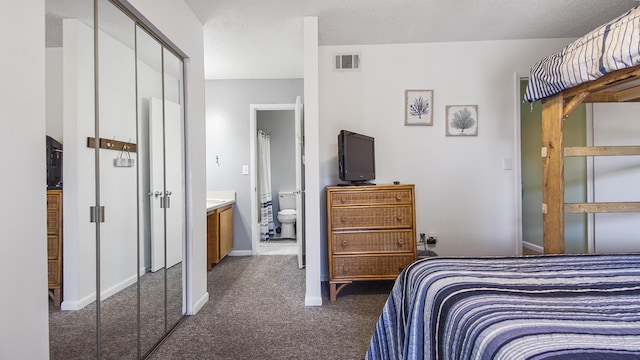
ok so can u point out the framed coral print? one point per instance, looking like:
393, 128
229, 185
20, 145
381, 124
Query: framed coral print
418, 107
462, 120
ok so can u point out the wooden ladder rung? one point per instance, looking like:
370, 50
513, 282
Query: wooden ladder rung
602, 207
601, 150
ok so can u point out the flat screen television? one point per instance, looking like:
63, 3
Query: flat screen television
54, 164
356, 157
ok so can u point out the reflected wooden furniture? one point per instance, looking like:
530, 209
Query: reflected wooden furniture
54, 245
371, 233
219, 234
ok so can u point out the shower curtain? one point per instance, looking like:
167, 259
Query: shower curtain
264, 187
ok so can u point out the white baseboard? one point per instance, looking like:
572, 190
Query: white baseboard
199, 304
313, 301
534, 247
240, 253
77, 305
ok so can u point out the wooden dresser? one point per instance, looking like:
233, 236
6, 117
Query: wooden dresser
54, 245
371, 233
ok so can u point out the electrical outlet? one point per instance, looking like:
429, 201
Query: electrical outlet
432, 239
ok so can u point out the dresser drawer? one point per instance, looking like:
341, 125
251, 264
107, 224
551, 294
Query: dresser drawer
53, 201
371, 197
383, 241
53, 222
379, 267
53, 247
377, 217
54, 272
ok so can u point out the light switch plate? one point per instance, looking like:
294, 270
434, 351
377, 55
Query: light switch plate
507, 163
245, 169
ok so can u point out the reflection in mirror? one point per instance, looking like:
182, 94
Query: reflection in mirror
174, 185
70, 120
152, 276
121, 297
117, 186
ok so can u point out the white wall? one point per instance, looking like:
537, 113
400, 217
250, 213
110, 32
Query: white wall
118, 185
462, 191
23, 315
228, 138
78, 166
616, 178
54, 92
312, 180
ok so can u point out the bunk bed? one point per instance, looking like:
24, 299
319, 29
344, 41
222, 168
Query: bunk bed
552, 306
600, 67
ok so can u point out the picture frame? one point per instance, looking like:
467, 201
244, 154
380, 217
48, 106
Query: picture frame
418, 107
461, 120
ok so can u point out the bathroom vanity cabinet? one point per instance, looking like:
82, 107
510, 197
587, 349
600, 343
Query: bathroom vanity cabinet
219, 234
371, 233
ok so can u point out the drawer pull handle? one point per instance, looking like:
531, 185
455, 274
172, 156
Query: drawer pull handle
343, 199
343, 218
344, 243
398, 197
399, 217
400, 241
344, 269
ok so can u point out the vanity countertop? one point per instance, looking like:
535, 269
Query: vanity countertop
218, 199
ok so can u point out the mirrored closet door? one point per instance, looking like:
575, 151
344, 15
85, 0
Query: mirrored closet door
124, 205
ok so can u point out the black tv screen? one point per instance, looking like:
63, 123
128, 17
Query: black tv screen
356, 157
54, 163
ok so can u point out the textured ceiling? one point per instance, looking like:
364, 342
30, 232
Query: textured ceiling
259, 39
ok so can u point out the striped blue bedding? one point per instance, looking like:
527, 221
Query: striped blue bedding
540, 307
610, 47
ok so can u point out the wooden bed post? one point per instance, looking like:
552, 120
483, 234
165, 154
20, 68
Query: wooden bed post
553, 174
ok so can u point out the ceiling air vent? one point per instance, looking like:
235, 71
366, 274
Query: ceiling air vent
347, 62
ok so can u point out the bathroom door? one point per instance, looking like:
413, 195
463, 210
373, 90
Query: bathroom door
299, 182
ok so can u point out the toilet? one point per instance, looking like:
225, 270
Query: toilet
287, 214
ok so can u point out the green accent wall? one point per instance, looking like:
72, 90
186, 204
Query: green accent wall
575, 175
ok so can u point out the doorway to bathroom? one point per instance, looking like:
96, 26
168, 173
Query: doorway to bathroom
277, 168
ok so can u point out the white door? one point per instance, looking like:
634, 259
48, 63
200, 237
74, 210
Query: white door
156, 183
173, 182
166, 151
299, 182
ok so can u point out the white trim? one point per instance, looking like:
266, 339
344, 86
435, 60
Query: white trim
253, 128
241, 253
533, 247
591, 230
107, 293
517, 161
313, 301
199, 304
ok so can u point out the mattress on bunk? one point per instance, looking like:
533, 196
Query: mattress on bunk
610, 47
540, 307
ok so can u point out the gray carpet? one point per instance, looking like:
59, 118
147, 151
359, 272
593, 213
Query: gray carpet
256, 311
72, 334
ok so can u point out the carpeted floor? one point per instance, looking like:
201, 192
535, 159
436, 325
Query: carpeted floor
256, 311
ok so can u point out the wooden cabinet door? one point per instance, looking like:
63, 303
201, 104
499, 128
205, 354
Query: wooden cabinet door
213, 254
226, 231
